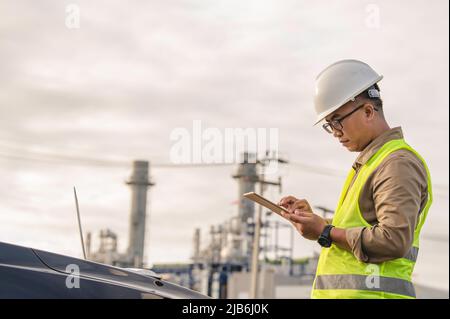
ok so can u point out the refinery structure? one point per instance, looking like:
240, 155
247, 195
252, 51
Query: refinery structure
243, 257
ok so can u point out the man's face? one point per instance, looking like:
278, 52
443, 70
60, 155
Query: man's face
353, 134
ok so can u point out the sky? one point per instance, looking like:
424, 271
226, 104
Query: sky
114, 88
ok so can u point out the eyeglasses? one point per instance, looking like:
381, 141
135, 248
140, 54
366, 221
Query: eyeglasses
336, 124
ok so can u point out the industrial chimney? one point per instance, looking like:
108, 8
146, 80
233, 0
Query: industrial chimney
196, 246
247, 178
139, 182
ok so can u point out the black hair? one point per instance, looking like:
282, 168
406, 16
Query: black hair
377, 101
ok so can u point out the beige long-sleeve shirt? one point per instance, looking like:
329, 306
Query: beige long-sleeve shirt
390, 201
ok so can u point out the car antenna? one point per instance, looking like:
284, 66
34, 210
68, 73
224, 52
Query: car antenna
79, 222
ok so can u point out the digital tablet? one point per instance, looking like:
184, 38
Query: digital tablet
266, 203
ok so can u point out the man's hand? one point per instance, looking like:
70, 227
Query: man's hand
308, 224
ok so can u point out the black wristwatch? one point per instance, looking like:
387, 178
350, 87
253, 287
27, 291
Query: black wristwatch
325, 238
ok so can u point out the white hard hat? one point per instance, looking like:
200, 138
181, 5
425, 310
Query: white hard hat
340, 83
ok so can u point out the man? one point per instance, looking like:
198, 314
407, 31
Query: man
371, 244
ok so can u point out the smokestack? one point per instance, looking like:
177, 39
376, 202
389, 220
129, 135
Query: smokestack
88, 244
139, 183
247, 177
196, 244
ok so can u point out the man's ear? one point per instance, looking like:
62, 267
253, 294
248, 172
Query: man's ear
369, 111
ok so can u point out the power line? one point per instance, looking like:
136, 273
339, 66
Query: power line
77, 160
84, 161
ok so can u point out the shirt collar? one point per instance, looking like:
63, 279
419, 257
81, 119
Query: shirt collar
392, 134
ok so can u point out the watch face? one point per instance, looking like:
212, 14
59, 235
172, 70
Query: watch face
324, 242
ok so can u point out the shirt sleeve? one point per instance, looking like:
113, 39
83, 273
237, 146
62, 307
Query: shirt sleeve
398, 185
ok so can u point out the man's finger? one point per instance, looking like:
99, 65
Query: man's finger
298, 205
286, 201
284, 214
303, 213
299, 219
287, 216
302, 202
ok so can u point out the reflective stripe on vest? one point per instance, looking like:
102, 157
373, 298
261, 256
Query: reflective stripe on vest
361, 282
412, 254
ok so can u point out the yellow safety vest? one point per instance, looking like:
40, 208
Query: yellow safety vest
339, 274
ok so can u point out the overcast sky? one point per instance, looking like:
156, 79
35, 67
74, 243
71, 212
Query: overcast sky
117, 86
